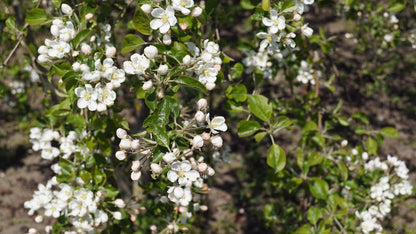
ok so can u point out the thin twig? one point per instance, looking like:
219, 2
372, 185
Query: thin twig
315, 75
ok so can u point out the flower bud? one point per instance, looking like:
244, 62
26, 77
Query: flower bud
164, 199
156, 168
135, 175
364, 156
32, 231
55, 30
163, 69
66, 9
186, 60
84, 68
43, 58
135, 165
210, 171
153, 228
200, 116
117, 215
147, 8
197, 142
48, 42
125, 144
75, 53
147, 85
210, 86
110, 51
92, 38
216, 141
76, 66
344, 143
205, 136
203, 208
183, 26
119, 203
135, 144
121, 155
354, 152
202, 167
169, 157
39, 219
182, 209
150, 52
202, 103
121, 133
89, 16
43, 50
197, 11
297, 17
187, 152
167, 40
86, 49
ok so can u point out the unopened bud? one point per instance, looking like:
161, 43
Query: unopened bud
169, 157
89, 16
183, 26
125, 144
210, 171
110, 51
66, 9
200, 116
185, 229
344, 143
43, 58
135, 165
203, 208
86, 49
365, 156
121, 133
117, 215
75, 53
210, 85
135, 144
202, 104
197, 142
163, 69
119, 203
150, 51
147, 8
39, 219
135, 175
202, 167
186, 60
205, 136
55, 30
216, 141
121, 155
197, 11
297, 17
182, 209
354, 152
167, 40
76, 66
156, 168
147, 85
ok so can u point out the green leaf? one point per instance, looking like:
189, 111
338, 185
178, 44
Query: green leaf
396, 6
141, 22
259, 136
110, 191
314, 159
265, 4
389, 132
314, 214
211, 5
343, 121
238, 92
319, 188
237, 70
343, 170
361, 117
319, 139
310, 126
276, 158
10, 23
36, 16
57, 3
246, 4
131, 42
160, 135
371, 145
85, 176
259, 105
80, 37
191, 82
247, 128
77, 120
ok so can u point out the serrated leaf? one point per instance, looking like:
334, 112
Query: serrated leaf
161, 136
396, 6
36, 16
319, 188
141, 22
131, 42
237, 70
389, 132
237, 93
314, 214
247, 128
259, 105
371, 145
276, 158
191, 82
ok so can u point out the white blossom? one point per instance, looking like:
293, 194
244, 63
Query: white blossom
165, 19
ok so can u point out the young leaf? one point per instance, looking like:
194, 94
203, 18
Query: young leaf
265, 4
36, 16
191, 82
238, 92
314, 214
80, 37
371, 145
396, 6
237, 70
141, 22
131, 42
247, 128
259, 105
319, 188
390, 132
276, 158
259, 136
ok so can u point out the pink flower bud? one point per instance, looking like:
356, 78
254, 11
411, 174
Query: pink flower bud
89, 16
216, 141
110, 51
121, 155
135, 144
197, 142
147, 85
121, 133
202, 104
202, 167
86, 49
135, 165
205, 136
156, 168
125, 144
197, 11
147, 8
135, 175
210, 86
200, 116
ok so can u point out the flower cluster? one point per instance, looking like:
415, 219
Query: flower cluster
63, 32
394, 183
306, 73
79, 205
277, 41
46, 140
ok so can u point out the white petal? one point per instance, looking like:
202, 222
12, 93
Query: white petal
158, 12
172, 176
81, 103
164, 28
155, 24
